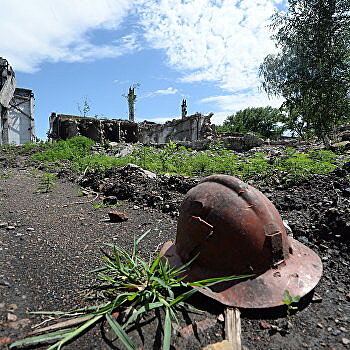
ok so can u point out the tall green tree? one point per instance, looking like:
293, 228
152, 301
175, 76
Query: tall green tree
263, 121
312, 69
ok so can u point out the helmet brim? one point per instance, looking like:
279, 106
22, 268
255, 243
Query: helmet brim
298, 274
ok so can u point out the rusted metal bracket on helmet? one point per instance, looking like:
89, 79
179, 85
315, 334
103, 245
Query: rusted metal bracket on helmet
274, 241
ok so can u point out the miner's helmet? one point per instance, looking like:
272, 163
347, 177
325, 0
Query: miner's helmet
230, 228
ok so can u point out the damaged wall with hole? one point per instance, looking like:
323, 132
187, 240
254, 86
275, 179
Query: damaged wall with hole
16, 109
189, 129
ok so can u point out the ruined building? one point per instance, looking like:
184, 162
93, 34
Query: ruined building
195, 131
190, 129
16, 109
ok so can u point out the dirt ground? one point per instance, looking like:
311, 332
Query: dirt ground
50, 241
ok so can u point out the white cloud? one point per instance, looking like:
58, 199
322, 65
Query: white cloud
229, 104
223, 41
168, 91
220, 41
58, 30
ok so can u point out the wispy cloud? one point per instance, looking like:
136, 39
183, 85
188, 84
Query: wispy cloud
58, 30
168, 91
223, 41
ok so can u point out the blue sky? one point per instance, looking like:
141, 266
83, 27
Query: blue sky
206, 51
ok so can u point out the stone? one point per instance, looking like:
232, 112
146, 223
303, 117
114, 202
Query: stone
12, 307
117, 216
5, 340
201, 326
345, 341
342, 144
264, 325
11, 317
18, 324
223, 345
221, 318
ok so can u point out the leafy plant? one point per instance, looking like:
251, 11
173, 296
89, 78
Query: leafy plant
127, 280
289, 300
292, 165
106, 205
5, 176
46, 183
72, 149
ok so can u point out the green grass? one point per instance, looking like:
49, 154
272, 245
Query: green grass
46, 183
106, 205
172, 159
72, 149
128, 280
5, 176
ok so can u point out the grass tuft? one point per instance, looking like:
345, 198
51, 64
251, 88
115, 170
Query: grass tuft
129, 281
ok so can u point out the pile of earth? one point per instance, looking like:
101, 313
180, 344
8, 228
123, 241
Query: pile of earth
314, 208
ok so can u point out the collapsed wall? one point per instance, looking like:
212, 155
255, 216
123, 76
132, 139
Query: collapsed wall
16, 109
190, 129
63, 127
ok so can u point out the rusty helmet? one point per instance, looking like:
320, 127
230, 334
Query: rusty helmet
234, 229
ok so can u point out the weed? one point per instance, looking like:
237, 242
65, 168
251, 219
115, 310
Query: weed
292, 166
46, 183
289, 300
127, 280
5, 176
73, 149
106, 205
8, 147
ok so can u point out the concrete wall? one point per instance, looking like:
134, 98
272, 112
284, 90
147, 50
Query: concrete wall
21, 117
2, 110
16, 109
63, 127
190, 129
193, 128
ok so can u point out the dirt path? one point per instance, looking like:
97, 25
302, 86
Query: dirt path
49, 241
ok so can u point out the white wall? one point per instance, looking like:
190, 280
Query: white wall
21, 118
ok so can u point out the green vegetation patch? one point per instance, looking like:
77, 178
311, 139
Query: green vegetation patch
176, 159
72, 149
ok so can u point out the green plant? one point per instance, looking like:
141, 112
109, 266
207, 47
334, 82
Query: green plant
289, 300
292, 165
29, 147
72, 149
106, 205
46, 183
127, 280
5, 176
